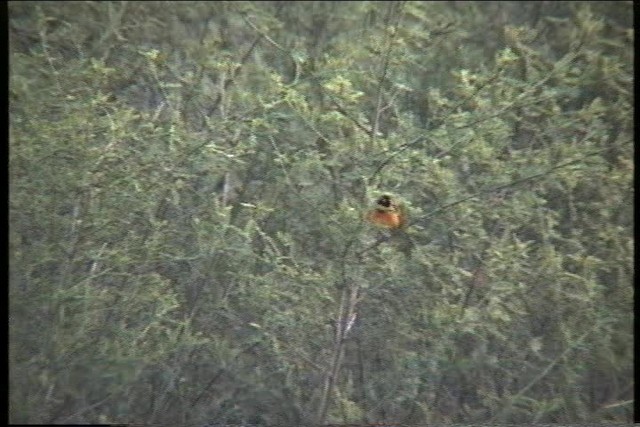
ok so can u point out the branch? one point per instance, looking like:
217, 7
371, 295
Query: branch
520, 101
347, 312
235, 73
385, 65
511, 184
541, 375
222, 371
386, 161
345, 113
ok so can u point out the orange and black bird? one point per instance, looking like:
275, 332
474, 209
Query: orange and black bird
387, 213
392, 215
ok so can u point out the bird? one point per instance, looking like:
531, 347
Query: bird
387, 213
392, 215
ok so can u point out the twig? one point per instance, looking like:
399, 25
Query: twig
385, 65
541, 375
510, 184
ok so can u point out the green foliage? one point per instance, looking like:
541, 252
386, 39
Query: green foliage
187, 190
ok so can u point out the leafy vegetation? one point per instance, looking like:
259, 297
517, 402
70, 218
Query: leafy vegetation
187, 189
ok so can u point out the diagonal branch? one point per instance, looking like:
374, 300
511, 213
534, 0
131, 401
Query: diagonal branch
511, 184
230, 80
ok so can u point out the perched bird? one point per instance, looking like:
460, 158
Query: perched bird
387, 213
392, 215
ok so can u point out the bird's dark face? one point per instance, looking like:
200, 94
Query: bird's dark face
384, 201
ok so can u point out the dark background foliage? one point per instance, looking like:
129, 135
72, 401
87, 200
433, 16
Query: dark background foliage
187, 188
